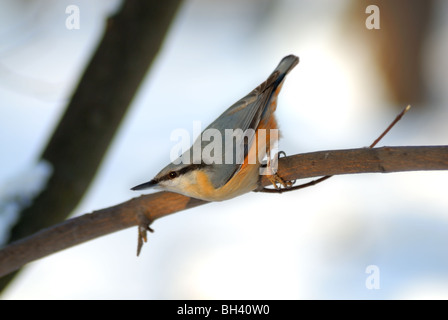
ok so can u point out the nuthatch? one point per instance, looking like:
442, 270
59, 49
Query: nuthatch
224, 180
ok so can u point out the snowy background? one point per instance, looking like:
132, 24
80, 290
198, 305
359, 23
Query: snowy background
310, 244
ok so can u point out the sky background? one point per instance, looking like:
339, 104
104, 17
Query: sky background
311, 244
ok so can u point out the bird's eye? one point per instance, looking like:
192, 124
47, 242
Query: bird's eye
172, 174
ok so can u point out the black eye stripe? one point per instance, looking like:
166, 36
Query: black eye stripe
191, 167
174, 174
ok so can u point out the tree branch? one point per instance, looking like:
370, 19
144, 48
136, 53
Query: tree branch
145, 209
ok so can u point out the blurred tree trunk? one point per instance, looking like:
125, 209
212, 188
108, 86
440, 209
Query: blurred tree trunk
131, 41
398, 46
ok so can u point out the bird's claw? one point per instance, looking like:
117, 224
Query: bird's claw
280, 183
277, 181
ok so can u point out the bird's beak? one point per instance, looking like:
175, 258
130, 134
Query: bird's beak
145, 185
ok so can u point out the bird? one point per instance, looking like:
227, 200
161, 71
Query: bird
230, 171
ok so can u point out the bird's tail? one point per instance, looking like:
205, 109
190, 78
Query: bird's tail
286, 64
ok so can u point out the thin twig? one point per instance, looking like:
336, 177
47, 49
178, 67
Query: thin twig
322, 179
391, 125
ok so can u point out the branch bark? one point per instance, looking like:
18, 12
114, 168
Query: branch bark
147, 208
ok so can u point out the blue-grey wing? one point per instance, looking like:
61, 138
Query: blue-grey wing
242, 119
